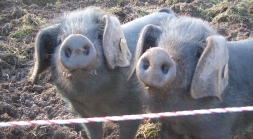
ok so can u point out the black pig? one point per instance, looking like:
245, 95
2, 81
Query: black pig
183, 64
89, 53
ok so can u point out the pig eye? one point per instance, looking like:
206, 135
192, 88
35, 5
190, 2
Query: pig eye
198, 51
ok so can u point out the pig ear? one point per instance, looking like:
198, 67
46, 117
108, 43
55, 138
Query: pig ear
211, 74
45, 44
148, 38
115, 47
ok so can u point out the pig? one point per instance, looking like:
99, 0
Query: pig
89, 54
184, 64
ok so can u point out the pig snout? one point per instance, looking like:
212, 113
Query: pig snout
77, 52
155, 68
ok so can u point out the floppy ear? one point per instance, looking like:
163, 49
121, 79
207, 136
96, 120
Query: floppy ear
45, 44
211, 74
148, 38
115, 47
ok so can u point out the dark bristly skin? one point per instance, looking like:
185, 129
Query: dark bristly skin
184, 65
89, 53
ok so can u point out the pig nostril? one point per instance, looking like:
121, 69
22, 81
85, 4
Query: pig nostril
165, 68
68, 52
146, 64
86, 50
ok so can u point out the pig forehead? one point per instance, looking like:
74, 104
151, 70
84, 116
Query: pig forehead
84, 28
184, 29
88, 15
88, 32
180, 42
181, 48
81, 22
183, 37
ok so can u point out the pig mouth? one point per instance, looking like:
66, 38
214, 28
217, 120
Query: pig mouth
152, 89
79, 73
156, 91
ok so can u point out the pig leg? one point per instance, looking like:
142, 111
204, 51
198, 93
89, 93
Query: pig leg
128, 129
94, 130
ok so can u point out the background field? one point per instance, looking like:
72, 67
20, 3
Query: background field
20, 20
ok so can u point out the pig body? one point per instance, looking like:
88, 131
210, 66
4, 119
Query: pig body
185, 65
89, 57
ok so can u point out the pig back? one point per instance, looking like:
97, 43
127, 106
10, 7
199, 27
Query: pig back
240, 63
132, 29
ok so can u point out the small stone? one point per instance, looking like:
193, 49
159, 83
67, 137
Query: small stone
4, 85
19, 75
13, 78
5, 76
42, 103
246, 34
28, 103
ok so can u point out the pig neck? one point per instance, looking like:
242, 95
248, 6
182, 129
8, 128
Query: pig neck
167, 100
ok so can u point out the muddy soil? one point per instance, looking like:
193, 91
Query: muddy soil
20, 20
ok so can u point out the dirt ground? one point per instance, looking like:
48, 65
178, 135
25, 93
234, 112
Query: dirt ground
20, 20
